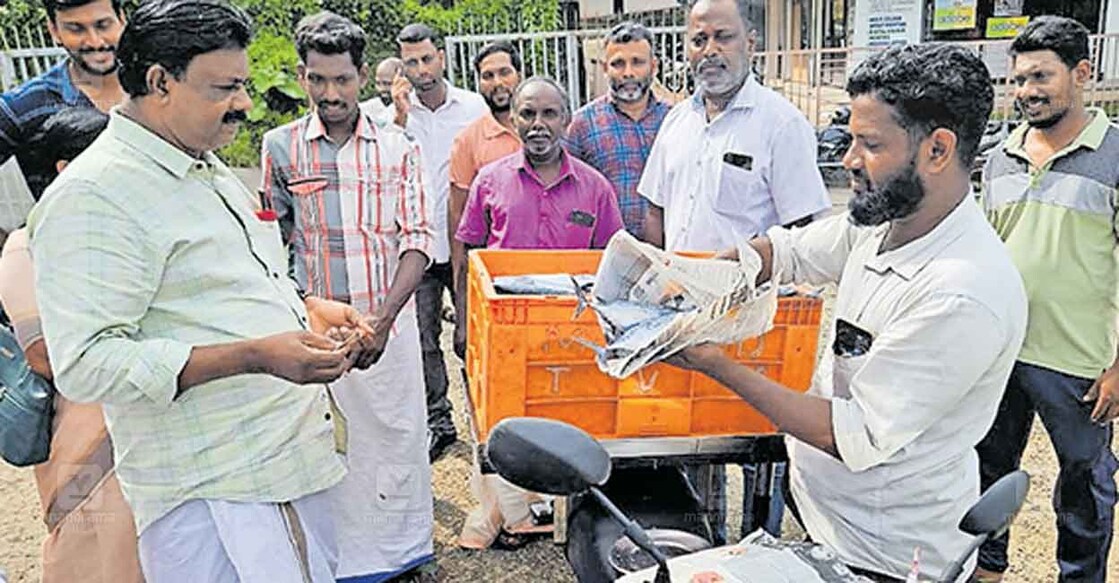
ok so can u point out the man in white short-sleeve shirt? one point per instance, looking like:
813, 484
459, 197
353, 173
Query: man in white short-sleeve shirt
728, 163
734, 159
433, 112
929, 317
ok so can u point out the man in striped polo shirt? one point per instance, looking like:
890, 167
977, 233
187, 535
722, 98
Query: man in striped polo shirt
1050, 193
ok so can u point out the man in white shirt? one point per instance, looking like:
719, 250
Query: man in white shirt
383, 76
433, 112
734, 159
930, 316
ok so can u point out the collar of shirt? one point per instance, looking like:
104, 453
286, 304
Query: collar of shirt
145, 141
566, 171
909, 259
1090, 137
59, 78
744, 99
454, 95
491, 128
316, 129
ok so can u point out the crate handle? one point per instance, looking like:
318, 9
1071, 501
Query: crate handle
556, 372
757, 352
644, 387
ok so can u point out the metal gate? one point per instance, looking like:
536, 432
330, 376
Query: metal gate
812, 79
571, 57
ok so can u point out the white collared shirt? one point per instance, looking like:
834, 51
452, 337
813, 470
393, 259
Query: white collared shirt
711, 204
435, 131
947, 315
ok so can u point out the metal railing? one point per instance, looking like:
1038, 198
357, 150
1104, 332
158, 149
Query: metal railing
21, 65
27, 53
812, 79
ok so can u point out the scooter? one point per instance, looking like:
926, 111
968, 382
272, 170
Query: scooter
552, 457
832, 143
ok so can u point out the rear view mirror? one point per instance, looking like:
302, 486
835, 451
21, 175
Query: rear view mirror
551, 457
996, 509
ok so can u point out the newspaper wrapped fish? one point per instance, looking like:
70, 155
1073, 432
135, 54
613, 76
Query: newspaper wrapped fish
652, 304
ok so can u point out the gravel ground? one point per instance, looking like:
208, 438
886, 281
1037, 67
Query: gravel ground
1032, 548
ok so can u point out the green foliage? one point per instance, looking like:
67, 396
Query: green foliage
274, 87
17, 14
468, 16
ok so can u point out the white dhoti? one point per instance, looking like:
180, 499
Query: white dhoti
383, 507
218, 541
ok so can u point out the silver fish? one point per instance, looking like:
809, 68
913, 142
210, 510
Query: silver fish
558, 284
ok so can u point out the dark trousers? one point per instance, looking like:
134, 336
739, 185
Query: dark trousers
1084, 496
429, 316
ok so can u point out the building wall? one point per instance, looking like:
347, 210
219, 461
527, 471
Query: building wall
599, 8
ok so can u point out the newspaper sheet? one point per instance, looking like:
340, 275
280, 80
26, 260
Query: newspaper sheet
652, 304
759, 558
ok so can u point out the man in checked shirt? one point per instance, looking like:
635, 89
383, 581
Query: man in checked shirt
351, 204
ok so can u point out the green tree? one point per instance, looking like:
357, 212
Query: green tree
273, 85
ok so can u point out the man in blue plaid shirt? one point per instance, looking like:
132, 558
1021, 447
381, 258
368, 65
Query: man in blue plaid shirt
615, 132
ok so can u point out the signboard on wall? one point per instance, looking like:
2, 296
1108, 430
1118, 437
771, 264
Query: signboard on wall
881, 23
1006, 26
954, 15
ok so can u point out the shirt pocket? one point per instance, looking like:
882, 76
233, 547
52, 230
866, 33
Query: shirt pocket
579, 225
843, 370
381, 202
308, 204
738, 189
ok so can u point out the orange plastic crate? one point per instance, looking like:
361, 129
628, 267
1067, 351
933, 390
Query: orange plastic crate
522, 360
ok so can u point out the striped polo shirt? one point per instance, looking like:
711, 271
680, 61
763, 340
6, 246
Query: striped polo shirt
1060, 224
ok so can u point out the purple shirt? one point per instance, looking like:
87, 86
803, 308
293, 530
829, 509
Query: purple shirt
510, 207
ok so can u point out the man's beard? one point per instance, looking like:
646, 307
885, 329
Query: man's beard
499, 107
77, 58
897, 198
386, 98
638, 89
1054, 117
724, 81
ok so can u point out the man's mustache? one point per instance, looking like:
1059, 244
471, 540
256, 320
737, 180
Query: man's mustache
236, 116
709, 62
104, 49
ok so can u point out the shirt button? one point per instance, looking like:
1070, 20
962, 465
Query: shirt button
327, 416
275, 275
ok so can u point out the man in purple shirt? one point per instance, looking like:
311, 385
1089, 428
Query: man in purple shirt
536, 198
540, 197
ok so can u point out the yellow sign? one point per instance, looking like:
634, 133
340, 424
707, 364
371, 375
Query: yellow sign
1006, 27
954, 15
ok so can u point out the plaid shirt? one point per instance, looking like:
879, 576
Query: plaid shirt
143, 253
23, 111
348, 212
617, 146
